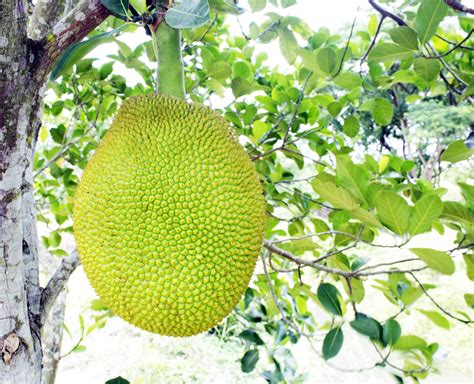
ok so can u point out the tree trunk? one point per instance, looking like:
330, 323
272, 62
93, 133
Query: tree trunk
24, 67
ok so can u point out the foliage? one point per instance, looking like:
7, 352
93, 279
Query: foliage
407, 81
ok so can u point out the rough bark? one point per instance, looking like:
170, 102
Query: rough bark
24, 66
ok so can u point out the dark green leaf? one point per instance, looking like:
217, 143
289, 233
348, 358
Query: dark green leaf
391, 332
117, 380
367, 326
332, 343
116, 7
249, 360
328, 296
251, 336
76, 52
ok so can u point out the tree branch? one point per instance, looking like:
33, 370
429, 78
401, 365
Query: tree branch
457, 6
70, 30
388, 14
46, 13
57, 283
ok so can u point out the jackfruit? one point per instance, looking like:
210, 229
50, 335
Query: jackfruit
168, 216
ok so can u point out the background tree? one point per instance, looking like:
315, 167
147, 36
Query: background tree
327, 204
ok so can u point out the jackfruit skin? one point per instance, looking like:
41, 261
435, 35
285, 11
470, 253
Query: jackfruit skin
169, 216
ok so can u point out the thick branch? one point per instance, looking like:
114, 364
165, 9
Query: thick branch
57, 283
68, 31
457, 6
45, 15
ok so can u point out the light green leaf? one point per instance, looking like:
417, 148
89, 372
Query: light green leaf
428, 17
393, 211
427, 69
188, 14
332, 343
469, 299
288, 45
388, 52
380, 108
219, 70
425, 212
300, 246
334, 108
257, 5
241, 86
405, 37
456, 151
259, 129
226, 6
139, 5
410, 342
436, 318
328, 296
351, 176
469, 260
348, 80
437, 260
326, 59
337, 197
351, 126
457, 212
365, 217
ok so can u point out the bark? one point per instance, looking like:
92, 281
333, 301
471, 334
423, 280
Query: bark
24, 66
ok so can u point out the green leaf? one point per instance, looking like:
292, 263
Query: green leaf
300, 246
391, 332
456, 151
389, 52
437, 260
393, 211
427, 69
425, 212
288, 44
219, 70
334, 108
259, 129
351, 126
326, 59
367, 326
381, 110
428, 17
118, 380
436, 318
188, 14
469, 299
405, 37
257, 5
116, 7
249, 360
469, 260
352, 177
251, 336
410, 342
348, 80
76, 52
337, 197
241, 87
365, 217
457, 212
226, 6
332, 343
139, 5
328, 296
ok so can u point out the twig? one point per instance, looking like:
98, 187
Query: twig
453, 43
388, 14
457, 6
458, 45
57, 283
341, 64
425, 291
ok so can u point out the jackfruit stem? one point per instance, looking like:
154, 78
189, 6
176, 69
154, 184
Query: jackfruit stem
170, 70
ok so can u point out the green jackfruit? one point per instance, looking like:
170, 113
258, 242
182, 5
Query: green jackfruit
169, 216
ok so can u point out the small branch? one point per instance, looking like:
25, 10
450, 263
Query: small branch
457, 6
341, 64
374, 40
388, 14
458, 45
453, 43
425, 291
57, 283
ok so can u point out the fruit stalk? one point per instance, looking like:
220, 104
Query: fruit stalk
170, 70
